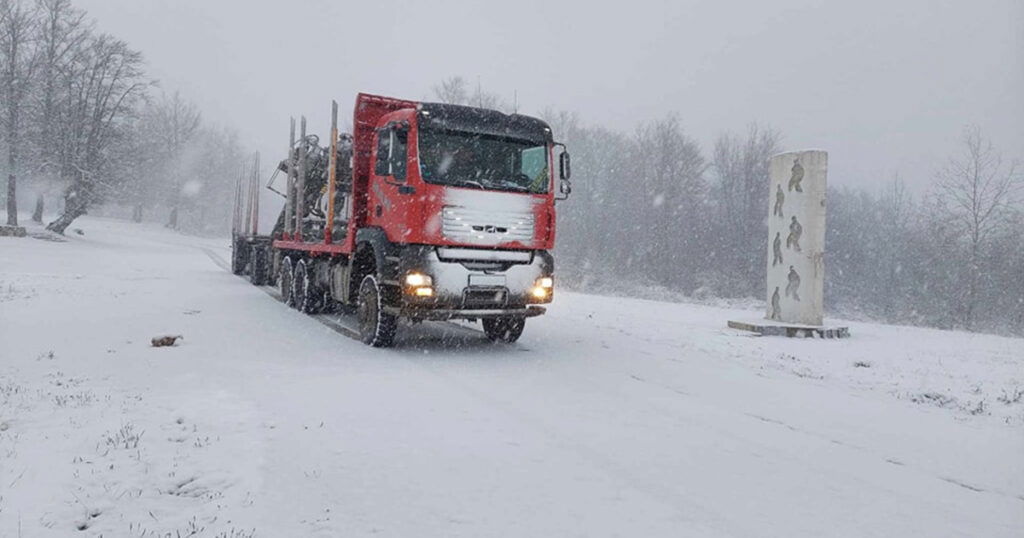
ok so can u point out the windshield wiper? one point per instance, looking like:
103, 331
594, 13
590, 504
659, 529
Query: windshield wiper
472, 183
508, 184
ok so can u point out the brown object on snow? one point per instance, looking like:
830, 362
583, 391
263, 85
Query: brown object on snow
163, 341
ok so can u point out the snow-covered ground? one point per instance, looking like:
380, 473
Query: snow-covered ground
611, 417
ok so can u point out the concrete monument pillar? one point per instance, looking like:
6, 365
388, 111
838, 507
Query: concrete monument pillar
796, 237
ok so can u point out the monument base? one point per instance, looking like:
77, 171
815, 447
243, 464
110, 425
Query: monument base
775, 328
12, 231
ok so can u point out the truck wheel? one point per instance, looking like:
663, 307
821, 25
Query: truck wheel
284, 280
376, 327
304, 291
238, 260
505, 329
256, 266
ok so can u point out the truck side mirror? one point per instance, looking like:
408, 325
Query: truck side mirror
564, 170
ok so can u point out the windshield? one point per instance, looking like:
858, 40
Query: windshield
473, 160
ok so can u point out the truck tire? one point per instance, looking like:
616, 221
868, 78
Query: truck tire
304, 290
377, 328
238, 258
506, 329
284, 280
257, 266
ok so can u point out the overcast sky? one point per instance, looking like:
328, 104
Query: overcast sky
884, 86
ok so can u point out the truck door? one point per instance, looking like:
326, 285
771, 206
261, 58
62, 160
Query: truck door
389, 186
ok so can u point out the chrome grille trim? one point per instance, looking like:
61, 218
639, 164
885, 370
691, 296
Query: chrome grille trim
476, 226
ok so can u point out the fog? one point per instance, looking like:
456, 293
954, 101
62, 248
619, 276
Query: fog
885, 87
670, 110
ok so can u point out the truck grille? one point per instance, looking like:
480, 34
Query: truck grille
480, 226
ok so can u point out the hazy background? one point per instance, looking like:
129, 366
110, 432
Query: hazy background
886, 87
654, 99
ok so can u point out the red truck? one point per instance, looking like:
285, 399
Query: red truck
427, 211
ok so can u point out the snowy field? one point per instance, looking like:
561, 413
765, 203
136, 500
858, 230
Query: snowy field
611, 417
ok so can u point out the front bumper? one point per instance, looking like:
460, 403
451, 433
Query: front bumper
440, 314
474, 285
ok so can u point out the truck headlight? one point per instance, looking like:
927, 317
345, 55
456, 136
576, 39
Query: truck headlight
419, 284
542, 288
416, 280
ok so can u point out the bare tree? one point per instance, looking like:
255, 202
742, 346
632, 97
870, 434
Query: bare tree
104, 88
213, 155
455, 91
741, 169
895, 212
486, 99
978, 195
173, 123
17, 26
62, 31
564, 124
669, 201
452, 91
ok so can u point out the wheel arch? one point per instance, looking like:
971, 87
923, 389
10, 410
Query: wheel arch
376, 254
375, 239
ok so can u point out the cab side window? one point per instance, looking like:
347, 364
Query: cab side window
399, 153
383, 152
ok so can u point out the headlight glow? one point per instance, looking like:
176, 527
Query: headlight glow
542, 289
417, 279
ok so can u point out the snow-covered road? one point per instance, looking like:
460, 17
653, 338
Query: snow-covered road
611, 417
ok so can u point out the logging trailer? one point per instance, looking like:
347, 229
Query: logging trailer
426, 211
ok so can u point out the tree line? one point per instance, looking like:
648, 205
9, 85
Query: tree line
653, 211
82, 124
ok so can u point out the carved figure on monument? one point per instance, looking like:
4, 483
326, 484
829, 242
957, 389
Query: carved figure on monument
776, 312
777, 249
780, 197
793, 288
795, 231
797, 177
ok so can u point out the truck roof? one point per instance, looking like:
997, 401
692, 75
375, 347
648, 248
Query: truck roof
483, 121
